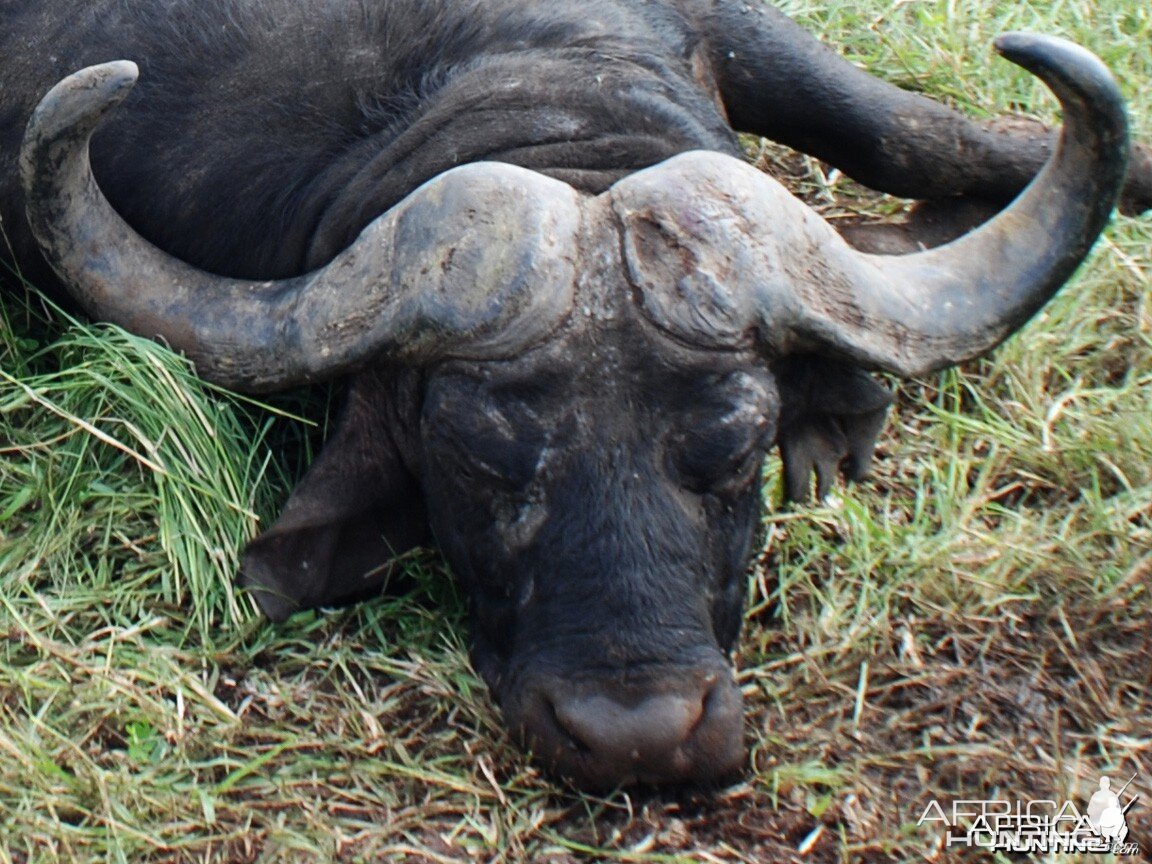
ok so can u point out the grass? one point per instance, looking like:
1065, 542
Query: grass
973, 622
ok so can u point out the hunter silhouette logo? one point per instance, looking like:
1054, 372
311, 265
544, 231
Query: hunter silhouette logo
1040, 826
1106, 814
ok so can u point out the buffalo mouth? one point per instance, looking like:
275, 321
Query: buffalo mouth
670, 726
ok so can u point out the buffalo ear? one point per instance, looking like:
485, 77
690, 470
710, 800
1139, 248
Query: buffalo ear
357, 508
831, 415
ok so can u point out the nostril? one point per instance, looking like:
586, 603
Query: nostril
606, 733
709, 703
648, 729
574, 741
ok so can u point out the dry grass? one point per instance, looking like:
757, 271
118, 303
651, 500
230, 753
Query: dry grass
974, 622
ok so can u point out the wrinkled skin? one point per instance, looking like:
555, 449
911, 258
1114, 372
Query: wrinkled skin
678, 445
597, 495
335, 110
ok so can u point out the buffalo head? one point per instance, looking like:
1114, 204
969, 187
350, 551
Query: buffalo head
575, 393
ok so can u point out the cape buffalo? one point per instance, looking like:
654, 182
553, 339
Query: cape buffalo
571, 319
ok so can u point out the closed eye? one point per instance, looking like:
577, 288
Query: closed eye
487, 454
719, 457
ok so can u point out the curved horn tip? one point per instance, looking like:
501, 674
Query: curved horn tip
86, 95
1058, 61
103, 77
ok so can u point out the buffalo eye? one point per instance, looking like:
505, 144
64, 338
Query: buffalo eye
488, 455
722, 455
501, 461
480, 442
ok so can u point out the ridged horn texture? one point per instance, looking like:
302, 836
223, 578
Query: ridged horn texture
717, 249
476, 263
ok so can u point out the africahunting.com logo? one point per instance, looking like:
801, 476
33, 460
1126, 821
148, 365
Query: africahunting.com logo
1039, 826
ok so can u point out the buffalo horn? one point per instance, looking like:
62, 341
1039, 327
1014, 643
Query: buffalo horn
475, 263
731, 252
